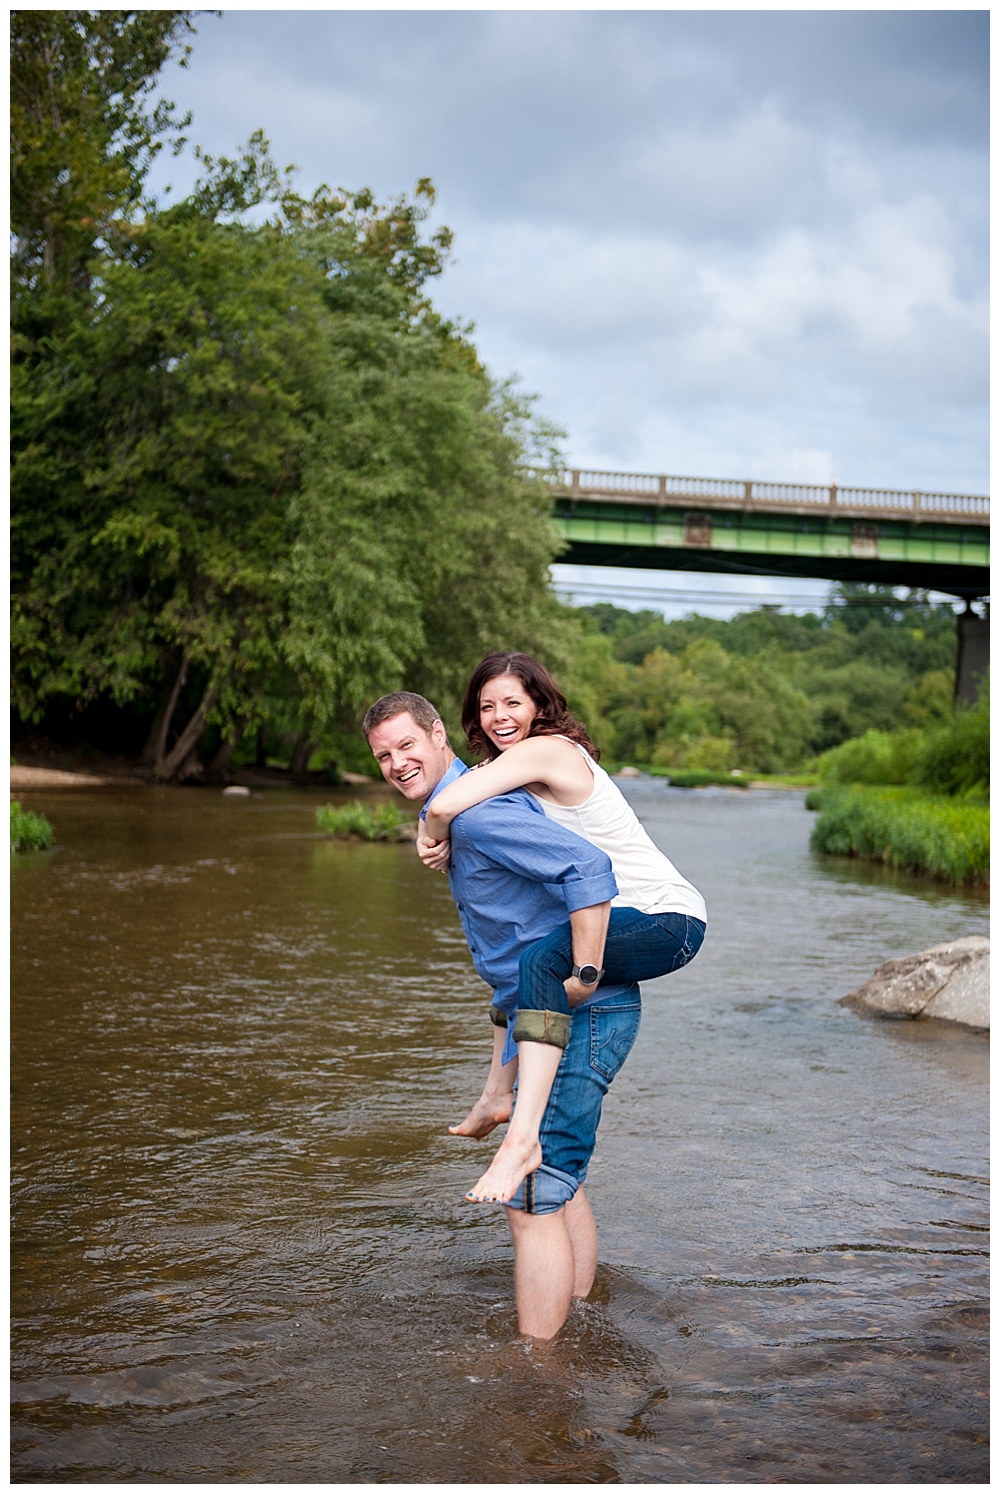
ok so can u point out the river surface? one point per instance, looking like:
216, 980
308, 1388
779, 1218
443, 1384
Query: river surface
240, 1249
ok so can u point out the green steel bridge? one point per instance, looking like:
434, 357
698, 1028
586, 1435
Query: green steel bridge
937, 541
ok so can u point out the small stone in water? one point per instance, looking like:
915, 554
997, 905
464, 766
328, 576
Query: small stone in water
236, 791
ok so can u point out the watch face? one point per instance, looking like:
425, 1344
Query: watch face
588, 974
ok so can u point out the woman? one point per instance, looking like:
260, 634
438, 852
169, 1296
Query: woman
515, 713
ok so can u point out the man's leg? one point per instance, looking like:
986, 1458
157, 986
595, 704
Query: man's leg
582, 1230
555, 1258
544, 1271
555, 1242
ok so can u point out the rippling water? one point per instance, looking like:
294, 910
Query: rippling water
240, 1250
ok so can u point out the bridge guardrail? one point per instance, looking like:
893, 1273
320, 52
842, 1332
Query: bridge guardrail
770, 497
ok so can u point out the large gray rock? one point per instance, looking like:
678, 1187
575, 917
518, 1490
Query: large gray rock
948, 981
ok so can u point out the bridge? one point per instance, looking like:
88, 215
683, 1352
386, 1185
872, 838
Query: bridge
937, 541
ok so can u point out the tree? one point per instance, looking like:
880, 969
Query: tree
257, 477
82, 138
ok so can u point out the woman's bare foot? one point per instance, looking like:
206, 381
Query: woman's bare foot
505, 1174
485, 1115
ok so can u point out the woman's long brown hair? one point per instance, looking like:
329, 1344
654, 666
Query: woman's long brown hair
553, 716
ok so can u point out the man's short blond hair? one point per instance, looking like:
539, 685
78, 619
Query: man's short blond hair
394, 704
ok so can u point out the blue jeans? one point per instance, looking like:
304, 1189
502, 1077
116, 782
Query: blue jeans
640, 946
601, 1038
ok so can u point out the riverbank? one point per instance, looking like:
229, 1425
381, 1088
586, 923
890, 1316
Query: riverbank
944, 838
43, 767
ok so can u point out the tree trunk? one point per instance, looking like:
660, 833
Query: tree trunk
301, 753
189, 737
191, 770
261, 761
220, 762
156, 744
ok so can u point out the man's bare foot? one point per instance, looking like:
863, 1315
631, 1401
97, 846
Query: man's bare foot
505, 1174
485, 1116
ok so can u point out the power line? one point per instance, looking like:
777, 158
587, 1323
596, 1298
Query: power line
595, 591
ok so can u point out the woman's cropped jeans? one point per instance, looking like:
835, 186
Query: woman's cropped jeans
596, 1037
639, 946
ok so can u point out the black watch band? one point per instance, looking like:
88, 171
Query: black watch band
588, 975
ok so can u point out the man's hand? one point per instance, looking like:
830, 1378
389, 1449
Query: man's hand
435, 854
590, 928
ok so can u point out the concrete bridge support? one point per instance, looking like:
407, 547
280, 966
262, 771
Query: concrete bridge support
973, 654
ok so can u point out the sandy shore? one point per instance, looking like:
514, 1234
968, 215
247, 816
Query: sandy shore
44, 778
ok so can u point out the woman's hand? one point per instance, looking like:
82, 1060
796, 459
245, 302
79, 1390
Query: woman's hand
435, 854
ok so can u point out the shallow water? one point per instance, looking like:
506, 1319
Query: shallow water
240, 1250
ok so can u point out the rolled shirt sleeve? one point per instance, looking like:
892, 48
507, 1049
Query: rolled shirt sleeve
508, 831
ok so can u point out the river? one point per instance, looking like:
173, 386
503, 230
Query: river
240, 1250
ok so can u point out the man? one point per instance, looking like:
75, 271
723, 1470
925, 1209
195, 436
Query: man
515, 877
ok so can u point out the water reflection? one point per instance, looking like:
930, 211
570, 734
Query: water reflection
240, 1249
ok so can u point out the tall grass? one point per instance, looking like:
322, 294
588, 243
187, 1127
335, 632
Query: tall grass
698, 777
942, 837
382, 823
28, 831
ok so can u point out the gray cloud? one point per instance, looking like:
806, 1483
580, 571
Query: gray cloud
723, 242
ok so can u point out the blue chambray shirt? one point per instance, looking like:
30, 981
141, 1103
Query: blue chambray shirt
516, 875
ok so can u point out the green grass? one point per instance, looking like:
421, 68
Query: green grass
28, 831
945, 838
382, 823
800, 778
698, 777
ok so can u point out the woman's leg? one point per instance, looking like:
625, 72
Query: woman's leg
497, 1099
520, 1151
639, 946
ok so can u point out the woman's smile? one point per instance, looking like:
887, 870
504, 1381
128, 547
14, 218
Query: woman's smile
506, 710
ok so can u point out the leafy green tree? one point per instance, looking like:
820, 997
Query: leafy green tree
258, 479
82, 134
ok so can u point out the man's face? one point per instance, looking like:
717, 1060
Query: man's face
413, 760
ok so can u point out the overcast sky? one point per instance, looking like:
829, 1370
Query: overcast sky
736, 244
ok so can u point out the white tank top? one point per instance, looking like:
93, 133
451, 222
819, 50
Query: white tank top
646, 879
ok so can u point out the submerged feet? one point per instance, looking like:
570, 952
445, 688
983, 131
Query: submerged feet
508, 1170
485, 1116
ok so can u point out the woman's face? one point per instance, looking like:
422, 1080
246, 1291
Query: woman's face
506, 711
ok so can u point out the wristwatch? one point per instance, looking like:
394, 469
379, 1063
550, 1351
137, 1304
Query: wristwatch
588, 975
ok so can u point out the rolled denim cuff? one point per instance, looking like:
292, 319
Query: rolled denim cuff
498, 1017
533, 1026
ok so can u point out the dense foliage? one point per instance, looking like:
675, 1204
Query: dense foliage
765, 691
952, 758
257, 480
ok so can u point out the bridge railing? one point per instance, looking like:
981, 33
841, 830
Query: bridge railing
644, 487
